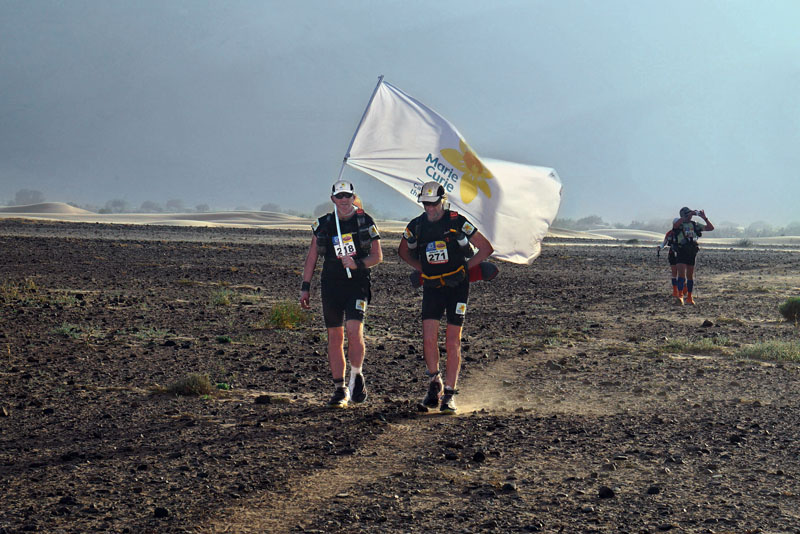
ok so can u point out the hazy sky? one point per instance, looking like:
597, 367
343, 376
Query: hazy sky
642, 106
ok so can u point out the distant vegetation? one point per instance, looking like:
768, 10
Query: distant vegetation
592, 222
24, 197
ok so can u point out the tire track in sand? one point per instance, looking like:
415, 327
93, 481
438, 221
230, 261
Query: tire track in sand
279, 512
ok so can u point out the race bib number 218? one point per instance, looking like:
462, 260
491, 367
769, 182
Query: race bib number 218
346, 247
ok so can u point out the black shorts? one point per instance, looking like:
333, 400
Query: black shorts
344, 300
453, 300
673, 260
686, 255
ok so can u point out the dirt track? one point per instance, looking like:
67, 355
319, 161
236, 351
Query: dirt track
577, 414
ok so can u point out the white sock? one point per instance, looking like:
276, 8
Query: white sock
354, 371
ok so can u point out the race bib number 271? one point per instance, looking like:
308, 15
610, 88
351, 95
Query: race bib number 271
436, 252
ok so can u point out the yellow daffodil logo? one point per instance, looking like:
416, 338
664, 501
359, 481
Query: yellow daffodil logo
474, 176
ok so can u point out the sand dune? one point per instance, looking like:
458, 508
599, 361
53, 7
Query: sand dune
50, 208
627, 234
59, 211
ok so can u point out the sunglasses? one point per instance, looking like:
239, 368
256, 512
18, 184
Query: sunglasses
343, 195
428, 204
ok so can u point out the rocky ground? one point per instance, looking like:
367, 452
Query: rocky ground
588, 402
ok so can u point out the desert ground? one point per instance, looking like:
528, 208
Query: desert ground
587, 401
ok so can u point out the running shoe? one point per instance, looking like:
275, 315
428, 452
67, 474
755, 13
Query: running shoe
448, 402
359, 393
431, 399
679, 300
340, 398
689, 299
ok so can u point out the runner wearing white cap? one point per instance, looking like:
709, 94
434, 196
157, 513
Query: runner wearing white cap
349, 243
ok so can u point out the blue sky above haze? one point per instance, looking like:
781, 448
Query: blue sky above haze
641, 106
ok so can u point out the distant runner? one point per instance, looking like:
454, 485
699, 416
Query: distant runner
669, 241
437, 244
686, 233
344, 300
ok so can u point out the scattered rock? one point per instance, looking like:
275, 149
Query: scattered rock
536, 526
263, 399
609, 466
553, 366
91, 509
509, 487
72, 456
604, 492
160, 512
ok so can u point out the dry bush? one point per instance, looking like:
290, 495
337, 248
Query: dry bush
193, 384
791, 309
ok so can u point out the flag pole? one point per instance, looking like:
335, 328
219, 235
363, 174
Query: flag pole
344, 162
347, 153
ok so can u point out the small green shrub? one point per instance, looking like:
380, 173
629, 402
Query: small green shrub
193, 384
772, 351
223, 339
223, 297
744, 242
68, 330
791, 309
23, 290
633, 241
151, 333
286, 314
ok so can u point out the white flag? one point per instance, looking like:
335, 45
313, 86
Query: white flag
404, 144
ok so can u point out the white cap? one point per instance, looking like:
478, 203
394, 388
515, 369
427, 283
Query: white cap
431, 192
343, 186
